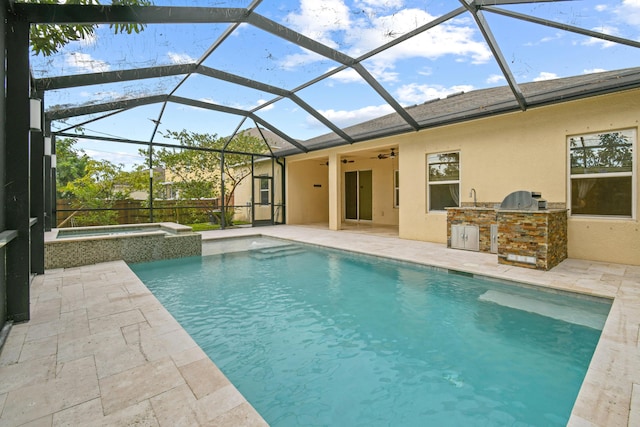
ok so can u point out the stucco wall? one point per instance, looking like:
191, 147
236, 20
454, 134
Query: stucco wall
242, 195
522, 151
519, 151
307, 192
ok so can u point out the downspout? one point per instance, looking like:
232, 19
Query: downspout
284, 194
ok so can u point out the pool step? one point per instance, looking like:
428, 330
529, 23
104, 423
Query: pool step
276, 251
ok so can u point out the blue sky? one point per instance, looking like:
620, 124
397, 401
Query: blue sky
449, 58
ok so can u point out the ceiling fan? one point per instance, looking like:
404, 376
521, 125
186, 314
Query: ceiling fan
391, 155
342, 161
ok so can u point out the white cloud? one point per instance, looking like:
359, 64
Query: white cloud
594, 70
180, 58
495, 78
344, 118
267, 108
127, 159
629, 12
558, 35
89, 40
292, 62
592, 41
545, 76
324, 20
84, 62
417, 94
601, 7
382, 3
348, 75
318, 19
445, 39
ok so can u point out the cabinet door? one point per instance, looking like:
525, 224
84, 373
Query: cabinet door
457, 236
494, 239
472, 238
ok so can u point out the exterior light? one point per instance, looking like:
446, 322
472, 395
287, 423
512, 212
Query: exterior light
35, 114
54, 162
47, 145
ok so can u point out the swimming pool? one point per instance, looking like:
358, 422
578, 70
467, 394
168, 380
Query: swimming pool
314, 337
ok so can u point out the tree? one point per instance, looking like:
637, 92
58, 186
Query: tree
71, 164
93, 184
195, 172
48, 39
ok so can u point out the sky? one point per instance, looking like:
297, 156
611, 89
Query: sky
449, 58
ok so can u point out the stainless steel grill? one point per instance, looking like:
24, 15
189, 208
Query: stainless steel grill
524, 201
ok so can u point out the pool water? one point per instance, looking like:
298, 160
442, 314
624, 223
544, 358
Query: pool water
323, 338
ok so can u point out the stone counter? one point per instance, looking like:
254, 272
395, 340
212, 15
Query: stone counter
481, 217
531, 239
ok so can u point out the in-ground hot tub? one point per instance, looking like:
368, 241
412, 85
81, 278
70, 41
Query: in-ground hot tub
73, 247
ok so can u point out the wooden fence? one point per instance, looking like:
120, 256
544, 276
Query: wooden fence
70, 213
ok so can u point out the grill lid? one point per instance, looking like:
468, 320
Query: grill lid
524, 201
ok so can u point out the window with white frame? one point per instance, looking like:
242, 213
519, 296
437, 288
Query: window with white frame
265, 191
396, 188
443, 180
602, 173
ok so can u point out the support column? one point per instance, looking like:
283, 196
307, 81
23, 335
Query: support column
36, 203
335, 195
49, 197
54, 184
17, 187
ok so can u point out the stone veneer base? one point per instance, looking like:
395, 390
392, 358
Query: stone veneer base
531, 239
161, 241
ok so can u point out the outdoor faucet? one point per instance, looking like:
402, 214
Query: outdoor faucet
472, 193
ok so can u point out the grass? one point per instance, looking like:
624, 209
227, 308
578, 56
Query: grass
205, 226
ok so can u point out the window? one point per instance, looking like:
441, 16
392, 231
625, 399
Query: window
443, 180
264, 191
396, 189
602, 173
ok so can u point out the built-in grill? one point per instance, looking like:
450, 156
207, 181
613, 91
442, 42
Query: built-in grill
524, 201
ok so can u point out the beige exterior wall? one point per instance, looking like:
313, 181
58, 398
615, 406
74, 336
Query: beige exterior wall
523, 151
242, 194
309, 204
307, 192
498, 155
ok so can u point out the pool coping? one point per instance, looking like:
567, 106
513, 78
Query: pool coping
101, 323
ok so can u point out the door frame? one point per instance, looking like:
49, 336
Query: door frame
357, 196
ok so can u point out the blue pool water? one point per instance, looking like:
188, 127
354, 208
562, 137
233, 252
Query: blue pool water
323, 338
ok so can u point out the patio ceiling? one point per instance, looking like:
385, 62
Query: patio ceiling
226, 29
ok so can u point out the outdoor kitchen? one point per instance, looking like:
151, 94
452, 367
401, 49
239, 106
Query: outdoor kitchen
522, 230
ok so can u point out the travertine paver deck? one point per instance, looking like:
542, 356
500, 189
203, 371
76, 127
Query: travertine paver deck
101, 350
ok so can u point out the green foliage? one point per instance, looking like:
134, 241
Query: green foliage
94, 184
71, 164
601, 153
47, 39
196, 173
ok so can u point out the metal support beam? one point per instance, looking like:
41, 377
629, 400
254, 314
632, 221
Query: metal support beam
561, 26
17, 189
101, 108
49, 183
483, 25
108, 14
386, 96
37, 200
63, 82
314, 46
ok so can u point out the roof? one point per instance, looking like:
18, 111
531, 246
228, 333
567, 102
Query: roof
483, 103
